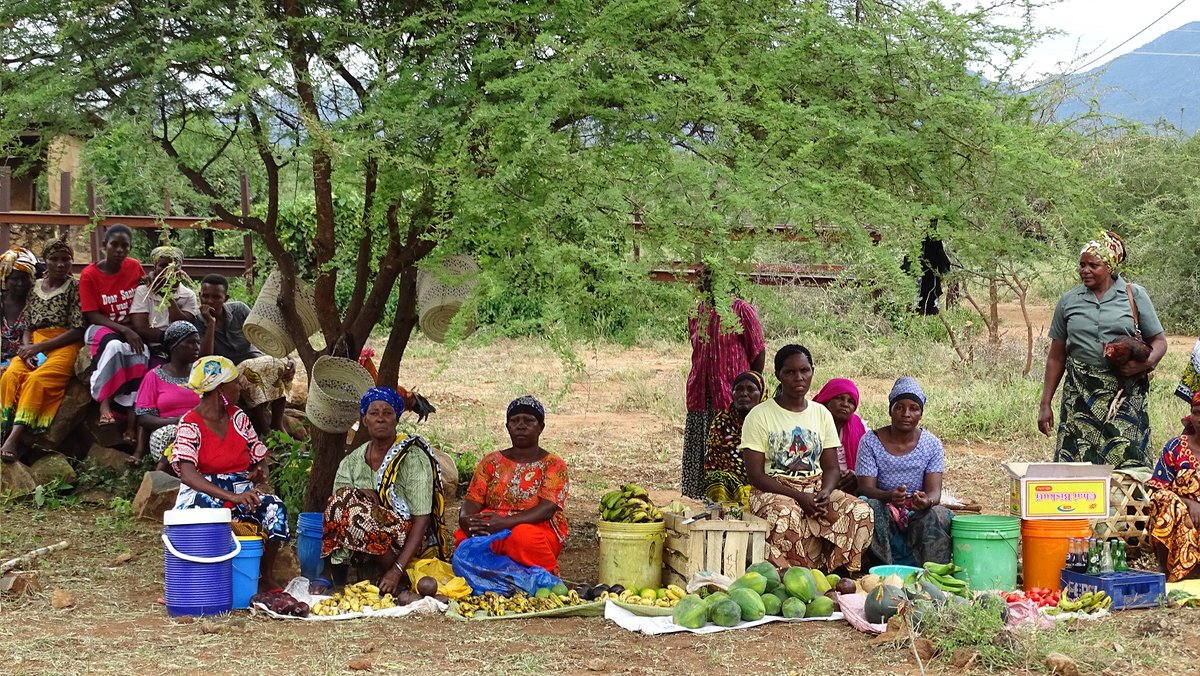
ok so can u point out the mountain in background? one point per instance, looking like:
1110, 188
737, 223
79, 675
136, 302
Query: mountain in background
1155, 81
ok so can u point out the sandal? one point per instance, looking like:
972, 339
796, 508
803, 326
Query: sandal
10, 456
106, 419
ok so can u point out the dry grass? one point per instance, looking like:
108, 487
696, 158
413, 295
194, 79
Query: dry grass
615, 415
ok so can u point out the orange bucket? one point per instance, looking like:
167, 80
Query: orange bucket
1044, 547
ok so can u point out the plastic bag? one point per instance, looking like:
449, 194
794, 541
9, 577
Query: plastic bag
487, 571
448, 583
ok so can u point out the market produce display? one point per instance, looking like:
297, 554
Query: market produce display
491, 604
282, 603
1040, 596
662, 597
630, 504
365, 597
1091, 602
761, 591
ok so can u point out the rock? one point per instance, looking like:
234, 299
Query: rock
105, 456
61, 598
964, 658
359, 664
287, 565
53, 466
123, 557
207, 627
449, 472
156, 495
925, 649
16, 479
95, 496
111, 436
72, 412
20, 582
1061, 665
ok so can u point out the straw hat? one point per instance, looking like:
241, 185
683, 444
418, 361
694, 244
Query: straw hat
335, 388
265, 327
440, 294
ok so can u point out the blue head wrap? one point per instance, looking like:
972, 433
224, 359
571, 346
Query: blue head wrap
385, 394
906, 387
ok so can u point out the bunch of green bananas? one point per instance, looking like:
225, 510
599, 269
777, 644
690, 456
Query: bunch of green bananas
496, 605
939, 574
630, 504
1091, 602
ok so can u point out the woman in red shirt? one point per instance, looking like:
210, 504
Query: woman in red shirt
219, 458
120, 358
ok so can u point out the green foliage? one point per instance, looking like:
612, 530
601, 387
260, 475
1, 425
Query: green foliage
291, 465
54, 494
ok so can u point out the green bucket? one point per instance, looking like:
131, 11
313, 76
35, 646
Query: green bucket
986, 548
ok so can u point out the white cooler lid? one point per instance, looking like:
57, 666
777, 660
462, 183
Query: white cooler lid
187, 517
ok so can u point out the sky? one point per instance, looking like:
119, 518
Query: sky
1095, 26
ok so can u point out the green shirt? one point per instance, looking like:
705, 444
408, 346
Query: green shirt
414, 483
1085, 324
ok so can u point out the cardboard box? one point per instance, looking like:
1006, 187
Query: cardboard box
1059, 490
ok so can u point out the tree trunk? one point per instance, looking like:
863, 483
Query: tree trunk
328, 449
993, 311
402, 328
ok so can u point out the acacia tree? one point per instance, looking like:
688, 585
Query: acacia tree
524, 133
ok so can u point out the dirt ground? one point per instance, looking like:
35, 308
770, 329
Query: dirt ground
615, 415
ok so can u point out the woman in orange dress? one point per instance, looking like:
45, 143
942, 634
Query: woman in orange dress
1174, 527
522, 488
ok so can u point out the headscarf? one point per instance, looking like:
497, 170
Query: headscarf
754, 377
57, 246
725, 473
527, 404
17, 259
1108, 247
906, 387
172, 252
209, 373
385, 394
176, 332
853, 431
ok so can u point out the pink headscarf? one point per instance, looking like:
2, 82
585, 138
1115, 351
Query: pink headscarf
854, 429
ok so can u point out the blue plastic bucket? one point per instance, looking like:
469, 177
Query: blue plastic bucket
198, 560
245, 570
310, 527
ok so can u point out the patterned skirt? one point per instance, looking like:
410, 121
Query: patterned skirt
356, 523
695, 441
1103, 419
1171, 525
797, 539
924, 538
270, 515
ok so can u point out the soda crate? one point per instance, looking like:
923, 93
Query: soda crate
1127, 588
725, 546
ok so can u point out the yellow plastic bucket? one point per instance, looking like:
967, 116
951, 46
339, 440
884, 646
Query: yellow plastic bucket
631, 554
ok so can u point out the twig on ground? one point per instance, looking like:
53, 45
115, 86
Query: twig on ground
30, 556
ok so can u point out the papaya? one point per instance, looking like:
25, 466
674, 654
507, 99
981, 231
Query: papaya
800, 584
771, 604
833, 579
725, 613
793, 607
821, 581
690, 612
751, 604
767, 570
559, 589
543, 593
752, 581
822, 606
777, 589
882, 603
712, 598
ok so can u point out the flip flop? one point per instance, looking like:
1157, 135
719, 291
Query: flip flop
106, 419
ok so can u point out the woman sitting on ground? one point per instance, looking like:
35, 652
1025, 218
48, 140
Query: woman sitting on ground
219, 458
900, 469
164, 395
1174, 528
31, 392
387, 500
725, 472
840, 396
18, 270
119, 355
791, 446
523, 489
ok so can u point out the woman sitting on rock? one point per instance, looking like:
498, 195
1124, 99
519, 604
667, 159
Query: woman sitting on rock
164, 396
725, 471
1174, 529
387, 500
18, 270
899, 471
522, 488
219, 458
791, 448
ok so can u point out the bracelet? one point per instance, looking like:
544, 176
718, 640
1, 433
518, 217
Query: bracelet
397, 566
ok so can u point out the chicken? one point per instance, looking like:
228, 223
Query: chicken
1124, 350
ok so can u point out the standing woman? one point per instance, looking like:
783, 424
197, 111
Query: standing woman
119, 354
790, 446
725, 471
1103, 416
219, 458
840, 396
18, 270
900, 469
30, 393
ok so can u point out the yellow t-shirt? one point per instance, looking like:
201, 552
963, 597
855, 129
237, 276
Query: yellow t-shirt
792, 442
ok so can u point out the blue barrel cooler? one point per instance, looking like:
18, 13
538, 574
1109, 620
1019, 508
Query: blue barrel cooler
199, 549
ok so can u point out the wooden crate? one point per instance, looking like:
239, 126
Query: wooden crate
1128, 512
726, 546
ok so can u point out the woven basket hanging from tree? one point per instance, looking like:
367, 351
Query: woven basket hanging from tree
440, 295
265, 328
335, 388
